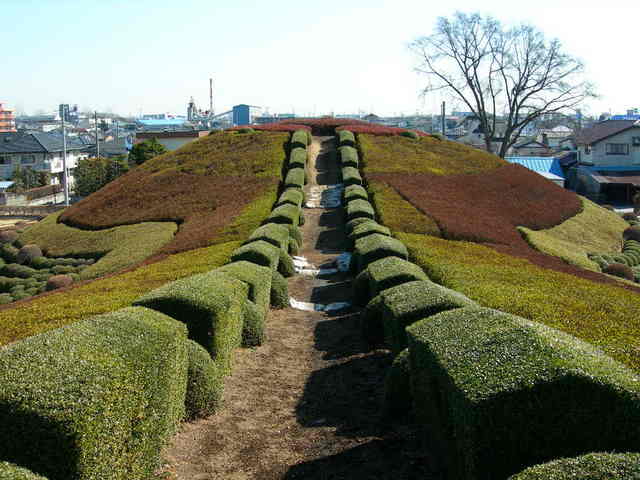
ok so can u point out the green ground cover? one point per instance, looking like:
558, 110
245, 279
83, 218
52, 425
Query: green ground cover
116, 248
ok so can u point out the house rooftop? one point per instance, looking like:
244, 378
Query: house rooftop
603, 130
15, 142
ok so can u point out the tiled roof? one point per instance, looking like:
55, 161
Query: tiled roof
603, 130
14, 142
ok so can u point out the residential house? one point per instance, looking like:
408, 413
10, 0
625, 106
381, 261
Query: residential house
608, 166
553, 137
531, 148
39, 151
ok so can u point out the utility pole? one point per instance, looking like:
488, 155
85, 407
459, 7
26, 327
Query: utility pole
444, 123
63, 112
95, 118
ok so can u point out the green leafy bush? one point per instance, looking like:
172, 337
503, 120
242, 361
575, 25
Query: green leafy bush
346, 138
409, 134
397, 387
256, 277
5, 298
292, 196
300, 139
279, 291
8, 236
276, 234
351, 176
97, 399
260, 253
210, 305
498, 393
593, 466
16, 270
28, 253
9, 471
353, 192
352, 224
285, 264
298, 158
9, 253
368, 228
348, 157
287, 214
376, 246
295, 178
205, 384
360, 208
253, 330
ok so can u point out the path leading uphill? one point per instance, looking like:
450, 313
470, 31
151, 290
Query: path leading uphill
306, 404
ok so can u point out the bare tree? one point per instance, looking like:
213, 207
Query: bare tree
509, 75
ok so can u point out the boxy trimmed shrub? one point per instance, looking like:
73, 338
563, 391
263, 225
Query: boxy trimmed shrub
593, 466
257, 277
279, 291
287, 214
28, 253
276, 234
352, 224
291, 196
499, 393
210, 305
346, 138
348, 156
397, 387
205, 384
367, 229
260, 253
8, 471
300, 139
383, 274
298, 158
353, 192
360, 208
376, 246
96, 399
252, 324
405, 304
351, 176
295, 178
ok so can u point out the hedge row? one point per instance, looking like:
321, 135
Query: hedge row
594, 466
495, 392
100, 398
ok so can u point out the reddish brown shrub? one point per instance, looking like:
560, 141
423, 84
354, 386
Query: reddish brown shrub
273, 127
8, 236
27, 253
374, 129
632, 233
619, 270
58, 281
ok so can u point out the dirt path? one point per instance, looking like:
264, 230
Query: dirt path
306, 404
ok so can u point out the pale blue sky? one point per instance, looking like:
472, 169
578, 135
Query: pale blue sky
132, 56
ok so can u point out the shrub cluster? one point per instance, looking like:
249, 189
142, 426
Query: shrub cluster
348, 156
593, 466
381, 130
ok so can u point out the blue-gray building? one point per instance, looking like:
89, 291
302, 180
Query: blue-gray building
243, 114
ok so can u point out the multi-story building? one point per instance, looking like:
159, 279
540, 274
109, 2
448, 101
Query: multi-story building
7, 120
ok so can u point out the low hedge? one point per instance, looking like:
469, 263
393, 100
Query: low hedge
257, 278
285, 264
279, 291
294, 178
276, 234
348, 156
353, 192
16, 270
346, 138
352, 224
351, 176
205, 384
253, 327
260, 253
376, 246
593, 466
368, 228
287, 214
397, 387
360, 208
8, 471
383, 274
210, 305
405, 304
291, 196
300, 139
9, 253
97, 399
298, 158
499, 393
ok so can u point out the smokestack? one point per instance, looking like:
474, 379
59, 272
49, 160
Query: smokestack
211, 95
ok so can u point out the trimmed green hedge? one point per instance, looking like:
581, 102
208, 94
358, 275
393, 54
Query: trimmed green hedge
298, 158
210, 305
253, 328
300, 139
499, 393
376, 246
405, 304
397, 387
382, 274
259, 252
287, 214
593, 466
348, 156
367, 229
345, 137
96, 399
205, 384
360, 208
351, 176
257, 277
276, 234
295, 178
285, 264
279, 291
352, 224
353, 192
295, 234
9, 471
292, 196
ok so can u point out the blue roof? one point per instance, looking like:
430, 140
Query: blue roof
541, 165
157, 122
5, 184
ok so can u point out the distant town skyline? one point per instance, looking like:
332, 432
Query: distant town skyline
329, 57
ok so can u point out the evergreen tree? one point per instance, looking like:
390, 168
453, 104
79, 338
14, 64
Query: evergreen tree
143, 151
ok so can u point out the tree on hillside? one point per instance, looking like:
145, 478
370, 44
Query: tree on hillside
143, 151
91, 174
506, 77
27, 178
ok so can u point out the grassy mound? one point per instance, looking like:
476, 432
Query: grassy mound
116, 248
9, 471
595, 229
199, 186
593, 466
